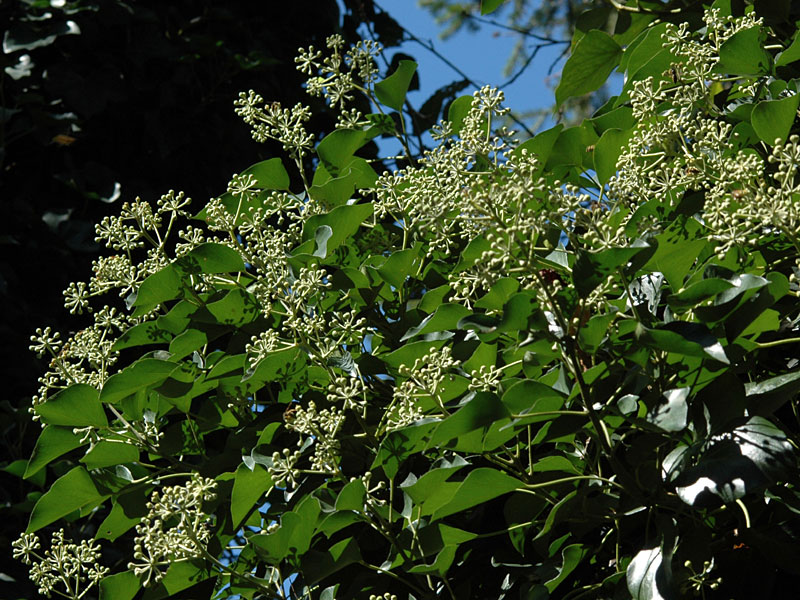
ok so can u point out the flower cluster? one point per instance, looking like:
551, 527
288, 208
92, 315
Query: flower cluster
432, 200
337, 75
175, 528
271, 121
421, 390
66, 569
680, 144
322, 427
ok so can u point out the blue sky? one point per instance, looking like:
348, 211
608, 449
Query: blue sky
481, 55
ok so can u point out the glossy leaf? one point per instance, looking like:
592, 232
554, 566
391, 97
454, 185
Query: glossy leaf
459, 108
571, 556
698, 292
78, 406
688, 339
160, 287
743, 54
211, 258
270, 174
187, 342
140, 375
764, 397
589, 65
773, 119
489, 6
398, 267
607, 151
72, 491
248, 488
120, 586
54, 441
127, 511
445, 318
392, 90
649, 575
337, 148
479, 413
142, 334
592, 268
480, 486
236, 309
791, 54
319, 565
343, 221
108, 454
738, 463
671, 413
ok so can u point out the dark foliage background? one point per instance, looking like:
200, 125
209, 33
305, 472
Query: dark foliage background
103, 101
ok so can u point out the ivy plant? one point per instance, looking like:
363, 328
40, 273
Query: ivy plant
561, 367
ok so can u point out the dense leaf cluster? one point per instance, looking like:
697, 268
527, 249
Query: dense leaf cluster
557, 368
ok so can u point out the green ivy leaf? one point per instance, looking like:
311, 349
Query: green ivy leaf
743, 54
457, 112
445, 318
392, 90
399, 266
249, 486
335, 191
676, 251
186, 343
180, 575
142, 334
478, 414
54, 441
791, 54
671, 413
649, 575
589, 65
337, 148
78, 406
402, 443
697, 293
72, 491
162, 286
126, 512
352, 496
343, 221
317, 565
541, 144
607, 151
591, 268
744, 461
489, 6
237, 308
144, 373
211, 258
480, 486
773, 119
120, 586
527, 398
571, 557
107, 454
270, 174
687, 339
765, 397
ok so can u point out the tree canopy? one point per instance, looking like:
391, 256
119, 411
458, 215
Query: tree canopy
562, 366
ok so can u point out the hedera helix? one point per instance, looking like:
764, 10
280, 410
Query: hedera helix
560, 367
